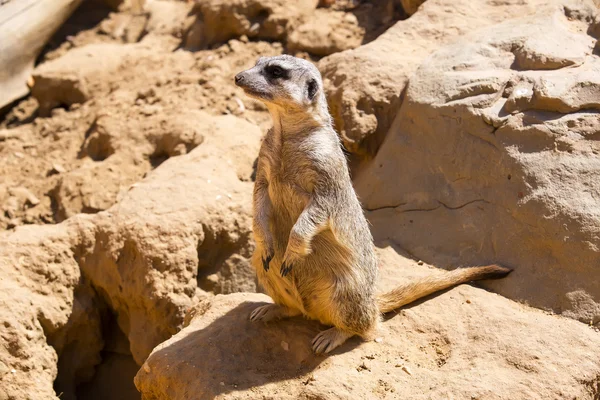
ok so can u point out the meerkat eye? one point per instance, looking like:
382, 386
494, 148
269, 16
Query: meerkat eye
276, 71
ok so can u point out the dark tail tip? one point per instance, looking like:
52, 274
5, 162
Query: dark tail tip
494, 271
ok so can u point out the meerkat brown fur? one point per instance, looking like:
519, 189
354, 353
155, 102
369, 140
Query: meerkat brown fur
314, 251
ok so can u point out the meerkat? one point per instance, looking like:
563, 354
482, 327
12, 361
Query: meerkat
315, 254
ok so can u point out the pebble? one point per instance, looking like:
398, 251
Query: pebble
240, 104
59, 169
25, 194
285, 345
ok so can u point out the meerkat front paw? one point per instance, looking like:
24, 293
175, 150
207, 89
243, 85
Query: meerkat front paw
266, 259
266, 255
289, 260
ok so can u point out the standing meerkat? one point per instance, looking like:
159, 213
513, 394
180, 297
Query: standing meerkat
314, 251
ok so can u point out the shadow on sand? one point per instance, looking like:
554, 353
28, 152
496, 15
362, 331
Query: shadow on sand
234, 354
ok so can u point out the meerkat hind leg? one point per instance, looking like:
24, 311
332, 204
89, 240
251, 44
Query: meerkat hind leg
329, 339
271, 312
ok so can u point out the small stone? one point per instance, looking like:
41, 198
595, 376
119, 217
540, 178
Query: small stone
13, 371
405, 369
420, 262
146, 368
18, 154
222, 383
378, 340
59, 169
213, 279
240, 104
255, 28
285, 345
25, 195
468, 301
8, 134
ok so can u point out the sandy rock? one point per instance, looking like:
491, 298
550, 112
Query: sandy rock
326, 31
168, 17
481, 346
188, 219
77, 191
76, 76
24, 196
364, 101
219, 21
118, 152
500, 164
48, 315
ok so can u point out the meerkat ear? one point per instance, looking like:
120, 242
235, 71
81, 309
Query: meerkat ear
311, 89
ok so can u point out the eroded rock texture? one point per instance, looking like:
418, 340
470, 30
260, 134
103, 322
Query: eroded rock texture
494, 157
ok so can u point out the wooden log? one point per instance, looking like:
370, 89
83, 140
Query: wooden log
25, 27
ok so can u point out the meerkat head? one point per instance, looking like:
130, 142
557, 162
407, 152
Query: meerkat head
285, 81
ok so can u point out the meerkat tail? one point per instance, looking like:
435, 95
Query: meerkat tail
412, 291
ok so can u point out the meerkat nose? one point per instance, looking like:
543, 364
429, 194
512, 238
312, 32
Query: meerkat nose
239, 79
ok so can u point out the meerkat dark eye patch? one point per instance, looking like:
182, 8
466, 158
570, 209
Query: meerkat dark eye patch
276, 72
311, 89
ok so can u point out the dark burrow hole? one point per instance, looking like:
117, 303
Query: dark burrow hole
158, 158
97, 144
112, 377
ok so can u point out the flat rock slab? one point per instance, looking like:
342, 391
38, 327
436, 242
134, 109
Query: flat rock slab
466, 343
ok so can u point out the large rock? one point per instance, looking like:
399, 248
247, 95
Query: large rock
465, 343
364, 86
186, 225
494, 157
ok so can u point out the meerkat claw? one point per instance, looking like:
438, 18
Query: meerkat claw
266, 262
285, 268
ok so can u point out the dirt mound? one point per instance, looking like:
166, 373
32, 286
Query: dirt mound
126, 178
